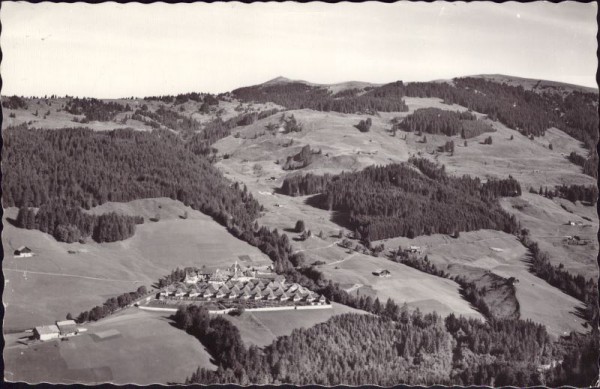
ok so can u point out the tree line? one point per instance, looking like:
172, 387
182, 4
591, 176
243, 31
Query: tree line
221, 338
414, 348
95, 109
585, 290
470, 291
396, 346
300, 160
71, 224
523, 110
109, 306
14, 102
573, 192
299, 96
200, 142
395, 200
86, 168
589, 165
183, 98
440, 121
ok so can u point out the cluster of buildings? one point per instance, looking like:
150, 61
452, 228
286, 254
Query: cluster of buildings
414, 250
62, 329
239, 284
575, 240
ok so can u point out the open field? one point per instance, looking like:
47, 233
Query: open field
530, 162
502, 254
133, 346
343, 148
548, 222
419, 290
59, 118
536, 84
45, 287
261, 328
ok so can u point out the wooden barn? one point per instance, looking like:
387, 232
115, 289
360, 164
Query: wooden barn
23, 252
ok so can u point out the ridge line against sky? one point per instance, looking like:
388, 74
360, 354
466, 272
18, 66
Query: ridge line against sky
112, 50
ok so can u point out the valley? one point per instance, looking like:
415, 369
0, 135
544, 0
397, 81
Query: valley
230, 206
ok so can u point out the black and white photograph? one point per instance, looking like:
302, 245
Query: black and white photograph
300, 193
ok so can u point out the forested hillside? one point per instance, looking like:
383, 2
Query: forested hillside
397, 200
83, 168
526, 111
449, 123
71, 224
94, 109
297, 95
418, 349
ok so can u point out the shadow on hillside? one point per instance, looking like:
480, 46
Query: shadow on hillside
464, 296
12, 222
316, 201
173, 323
342, 219
581, 312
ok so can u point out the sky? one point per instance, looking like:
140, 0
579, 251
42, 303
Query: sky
114, 50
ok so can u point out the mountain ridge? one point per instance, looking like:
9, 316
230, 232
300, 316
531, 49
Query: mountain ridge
527, 83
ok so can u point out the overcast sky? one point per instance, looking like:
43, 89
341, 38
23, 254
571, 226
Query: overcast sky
117, 50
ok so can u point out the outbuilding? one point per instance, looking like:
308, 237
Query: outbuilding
67, 328
46, 332
23, 252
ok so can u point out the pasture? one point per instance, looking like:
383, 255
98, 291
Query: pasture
531, 162
47, 286
406, 285
133, 346
504, 255
261, 328
547, 221
50, 113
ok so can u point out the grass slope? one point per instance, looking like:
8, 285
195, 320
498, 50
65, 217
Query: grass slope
147, 349
59, 118
80, 281
419, 290
547, 220
531, 162
261, 328
474, 253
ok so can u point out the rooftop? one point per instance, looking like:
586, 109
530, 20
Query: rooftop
45, 330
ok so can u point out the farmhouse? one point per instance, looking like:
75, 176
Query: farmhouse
46, 332
414, 249
67, 328
23, 252
382, 273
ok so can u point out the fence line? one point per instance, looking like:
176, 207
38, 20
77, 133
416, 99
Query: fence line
266, 309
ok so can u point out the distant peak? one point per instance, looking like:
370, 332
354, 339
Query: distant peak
278, 80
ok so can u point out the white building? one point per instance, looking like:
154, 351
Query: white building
67, 328
46, 332
23, 252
